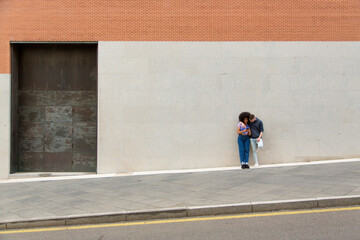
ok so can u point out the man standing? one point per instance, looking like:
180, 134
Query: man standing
257, 129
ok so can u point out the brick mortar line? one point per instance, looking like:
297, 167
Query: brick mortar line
264, 206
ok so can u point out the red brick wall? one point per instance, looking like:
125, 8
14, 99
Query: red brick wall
176, 20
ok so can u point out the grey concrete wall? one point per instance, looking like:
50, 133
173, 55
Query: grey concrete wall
174, 105
4, 125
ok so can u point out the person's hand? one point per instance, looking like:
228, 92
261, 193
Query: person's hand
258, 140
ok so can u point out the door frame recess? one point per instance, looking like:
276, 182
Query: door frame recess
14, 119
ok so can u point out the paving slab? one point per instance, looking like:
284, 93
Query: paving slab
179, 194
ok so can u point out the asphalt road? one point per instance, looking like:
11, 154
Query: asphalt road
340, 224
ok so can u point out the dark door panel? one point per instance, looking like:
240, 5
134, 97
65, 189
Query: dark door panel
56, 101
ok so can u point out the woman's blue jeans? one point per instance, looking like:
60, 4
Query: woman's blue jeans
244, 148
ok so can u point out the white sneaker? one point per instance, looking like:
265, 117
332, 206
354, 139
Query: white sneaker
256, 165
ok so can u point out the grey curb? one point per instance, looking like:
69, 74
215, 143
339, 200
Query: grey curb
187, 212
156, 214
338, 201
219, 209
2, 226
109, 218
284, 205
36, 223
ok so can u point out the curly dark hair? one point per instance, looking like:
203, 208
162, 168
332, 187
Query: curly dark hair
244, 115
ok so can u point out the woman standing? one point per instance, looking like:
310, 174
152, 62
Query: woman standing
244, 133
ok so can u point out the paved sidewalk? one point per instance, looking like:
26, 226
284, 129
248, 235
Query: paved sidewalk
54, 199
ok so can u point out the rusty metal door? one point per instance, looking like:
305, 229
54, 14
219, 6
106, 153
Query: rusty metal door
57, 108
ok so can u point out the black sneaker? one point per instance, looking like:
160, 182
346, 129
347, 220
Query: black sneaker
247, 166
243, 166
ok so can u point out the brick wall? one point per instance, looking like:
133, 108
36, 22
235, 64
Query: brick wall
176, 20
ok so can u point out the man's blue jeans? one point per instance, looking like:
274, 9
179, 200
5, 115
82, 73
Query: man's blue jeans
244, 147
